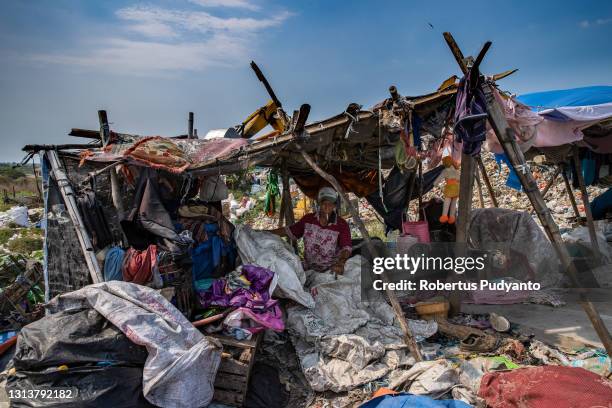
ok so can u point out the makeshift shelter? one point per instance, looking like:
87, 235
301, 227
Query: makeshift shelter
129, 189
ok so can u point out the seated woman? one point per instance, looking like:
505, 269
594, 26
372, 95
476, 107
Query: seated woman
327, 237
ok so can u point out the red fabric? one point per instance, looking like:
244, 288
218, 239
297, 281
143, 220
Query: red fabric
545, 387
341, 226
137, 265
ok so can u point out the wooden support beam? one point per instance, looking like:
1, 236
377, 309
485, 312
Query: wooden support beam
466, 180
71, 206
69, 146
479, 186
399, 314
115, 187
585, 202
550, 184
89, 134
289, 217
570, 193
485, 176
190, 126
551, 181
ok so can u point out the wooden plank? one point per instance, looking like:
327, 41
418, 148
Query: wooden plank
89, 134
228, 397
233, 382
225, 340
232, 366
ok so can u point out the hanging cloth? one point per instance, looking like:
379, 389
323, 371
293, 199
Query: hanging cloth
470, 116
272, 191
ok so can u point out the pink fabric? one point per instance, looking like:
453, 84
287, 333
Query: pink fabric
255, 321
321, 244
202, 151
537, 129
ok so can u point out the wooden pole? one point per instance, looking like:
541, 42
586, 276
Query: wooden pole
115, 187
479, 186
585, 203
466, 183
550, 183
71, 206
190, 126
40, 194
485, 177
289, 217
570, 193
506, 137
399, 314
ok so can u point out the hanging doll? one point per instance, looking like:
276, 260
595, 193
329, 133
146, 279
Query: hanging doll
451, 189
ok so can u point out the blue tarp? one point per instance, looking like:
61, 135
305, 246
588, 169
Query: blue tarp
590, 95
404, 400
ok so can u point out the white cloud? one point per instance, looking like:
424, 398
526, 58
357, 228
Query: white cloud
593, 23
199, 22
169, 41
227, 3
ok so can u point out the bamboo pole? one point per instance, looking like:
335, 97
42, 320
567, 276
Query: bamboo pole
550, 183
289, 217
487, 182
71, 206
570, 193
479, 186
190, 126
114, 180
585, 203
399, 314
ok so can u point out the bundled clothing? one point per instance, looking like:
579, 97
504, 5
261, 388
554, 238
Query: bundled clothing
113, 264
248, 289
138, 265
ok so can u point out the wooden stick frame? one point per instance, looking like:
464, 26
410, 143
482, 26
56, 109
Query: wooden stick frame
507, 139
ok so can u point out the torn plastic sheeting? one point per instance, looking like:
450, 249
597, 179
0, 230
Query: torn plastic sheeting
182, 364
269, 251
426, 378
342, 342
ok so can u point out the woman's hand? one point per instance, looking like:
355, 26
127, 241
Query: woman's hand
338, 268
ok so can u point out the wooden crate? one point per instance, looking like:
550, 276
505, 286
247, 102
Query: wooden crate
237, 360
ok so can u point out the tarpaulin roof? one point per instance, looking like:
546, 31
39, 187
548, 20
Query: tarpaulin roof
586, 96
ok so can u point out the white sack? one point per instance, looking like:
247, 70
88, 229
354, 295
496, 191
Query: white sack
182, 364
270, 251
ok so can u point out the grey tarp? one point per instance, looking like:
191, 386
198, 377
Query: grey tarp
182, 364
517, 231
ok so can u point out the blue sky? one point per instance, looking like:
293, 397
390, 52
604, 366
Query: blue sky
149, 63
